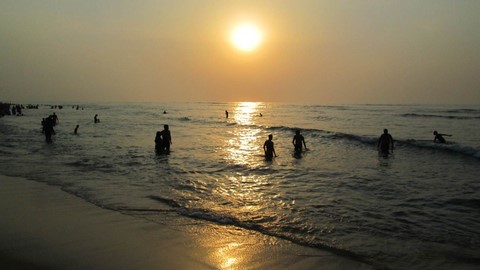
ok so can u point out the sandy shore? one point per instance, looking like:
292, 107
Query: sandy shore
42, 227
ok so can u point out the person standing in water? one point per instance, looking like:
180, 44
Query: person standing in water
297, 141
48, 129
226, 114
385, 143
159, 147
439, 137
167, 138
269, 149
76, 130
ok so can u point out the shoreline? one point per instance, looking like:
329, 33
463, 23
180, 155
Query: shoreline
43, 227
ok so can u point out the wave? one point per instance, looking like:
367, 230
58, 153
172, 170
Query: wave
184, 119
416, 115
286, 232
457, 148
465, 111
167, 201
471, 203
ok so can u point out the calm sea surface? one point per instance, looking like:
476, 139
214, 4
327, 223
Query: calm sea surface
417, 209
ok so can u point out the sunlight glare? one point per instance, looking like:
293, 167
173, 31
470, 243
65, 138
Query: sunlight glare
246, 37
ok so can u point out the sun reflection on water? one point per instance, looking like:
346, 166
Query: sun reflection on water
245, 111
244, 145
227, 258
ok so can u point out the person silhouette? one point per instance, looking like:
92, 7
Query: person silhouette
55, 119
385, 142
269, 149
297, 141
76, 130
167, 138
159, 147
95, 119
48, 129
439, 137
226, 114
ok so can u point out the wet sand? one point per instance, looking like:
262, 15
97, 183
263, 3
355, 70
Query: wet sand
42, 227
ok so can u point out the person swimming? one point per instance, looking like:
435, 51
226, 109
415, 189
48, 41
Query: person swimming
439, 137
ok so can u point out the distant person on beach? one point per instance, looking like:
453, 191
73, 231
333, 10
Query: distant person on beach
297, 141
385, 143
159, 147
226, 114
95, 119
76, 130
269, 149
164, 112
439, 137
167, 139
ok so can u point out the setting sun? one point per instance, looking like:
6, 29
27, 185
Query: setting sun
246, 37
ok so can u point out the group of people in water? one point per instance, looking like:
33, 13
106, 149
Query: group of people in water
47, 126
385, 143
52, 120
298, 144
16, 110
163, 140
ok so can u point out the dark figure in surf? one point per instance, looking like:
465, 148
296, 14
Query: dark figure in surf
297, 141
164, 112
167, 139
226, 114
44, 123
269, 148
76, 130
95, 119
439, 137
385, 143
55, 119
159, 147
48, 129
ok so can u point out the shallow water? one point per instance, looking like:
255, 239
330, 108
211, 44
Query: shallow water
417, 209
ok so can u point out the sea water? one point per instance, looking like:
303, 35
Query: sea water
418, 208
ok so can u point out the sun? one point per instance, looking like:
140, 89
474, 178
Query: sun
246, 37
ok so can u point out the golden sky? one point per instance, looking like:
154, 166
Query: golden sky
312, 51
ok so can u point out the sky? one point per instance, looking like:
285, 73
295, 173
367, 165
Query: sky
315, 52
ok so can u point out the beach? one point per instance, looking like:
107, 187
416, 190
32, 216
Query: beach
43, 227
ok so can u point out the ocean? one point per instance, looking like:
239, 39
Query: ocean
418, 208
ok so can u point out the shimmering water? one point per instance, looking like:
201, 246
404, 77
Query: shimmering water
417, 209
